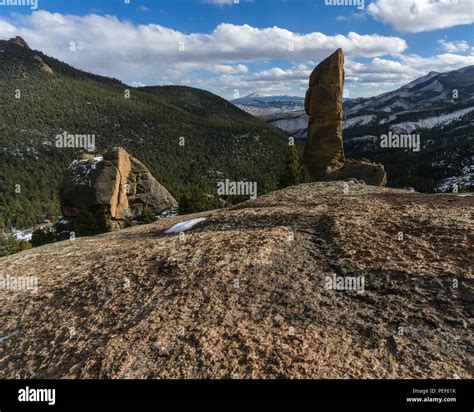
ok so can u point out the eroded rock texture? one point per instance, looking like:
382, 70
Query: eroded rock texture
324, 152
371, 173
115, 184
244, 293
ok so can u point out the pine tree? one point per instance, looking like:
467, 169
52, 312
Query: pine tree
43, 236
304, 175
9, 244
184, 205
88, 224
292, 172
148, 216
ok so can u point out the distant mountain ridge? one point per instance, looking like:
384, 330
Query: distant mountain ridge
262, 105
267, 100
428, 92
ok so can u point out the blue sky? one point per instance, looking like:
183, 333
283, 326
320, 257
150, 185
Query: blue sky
264, 46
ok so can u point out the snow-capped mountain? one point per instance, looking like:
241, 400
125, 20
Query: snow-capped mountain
261, 105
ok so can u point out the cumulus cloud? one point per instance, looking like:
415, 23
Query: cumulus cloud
7, 29
413, 16
378, 74
454, 47
353, 17
442, 62
390, 74
221, 68
106, 40
226, 58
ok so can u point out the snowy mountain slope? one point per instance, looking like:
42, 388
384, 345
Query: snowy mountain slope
432, 122
427, 92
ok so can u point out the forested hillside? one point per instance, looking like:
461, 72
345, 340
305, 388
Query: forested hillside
186, 137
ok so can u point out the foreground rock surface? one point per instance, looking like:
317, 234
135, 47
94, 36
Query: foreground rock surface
243, 293
115, 185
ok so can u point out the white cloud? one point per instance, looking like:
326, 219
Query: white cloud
413, 16
138, 84
454, 47
220, 3
226, 85
299, 72
441, 63
222, 60
360, 16
227, 69
152, 53
7, 30
390, 74
378, 74
106, 38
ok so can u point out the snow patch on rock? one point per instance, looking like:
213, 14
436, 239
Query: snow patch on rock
184, 226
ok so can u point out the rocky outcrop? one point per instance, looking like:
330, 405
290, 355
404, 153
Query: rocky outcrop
364, 170
38, 60
116, 185
249, 293
19, 41
324, 152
